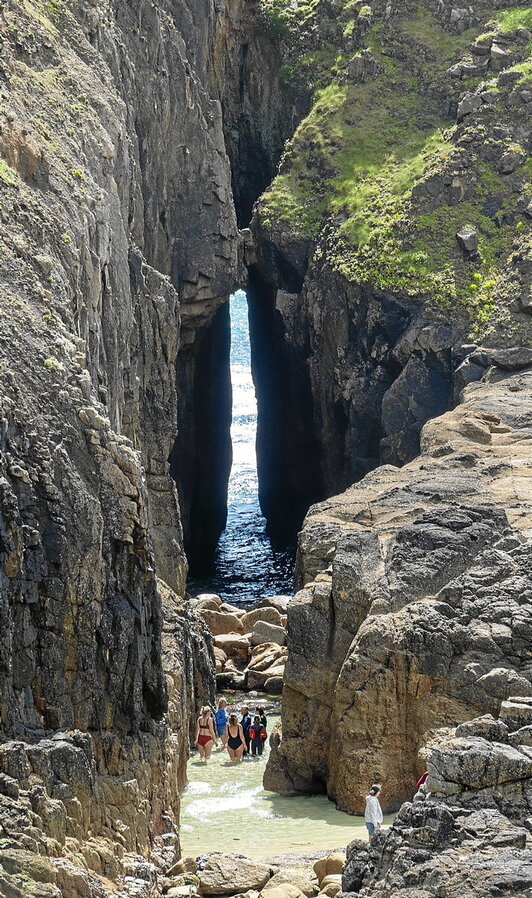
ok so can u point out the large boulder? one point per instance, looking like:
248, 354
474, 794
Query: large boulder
301, 881
268, 614
265, 632
230, 874
220, 622
278, 602
233, 645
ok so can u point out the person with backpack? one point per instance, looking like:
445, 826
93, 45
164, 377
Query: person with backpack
257, 736
221, 717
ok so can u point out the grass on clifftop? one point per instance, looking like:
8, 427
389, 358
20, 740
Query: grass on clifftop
355, 160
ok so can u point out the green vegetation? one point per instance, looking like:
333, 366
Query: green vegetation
509, 20
8, 175
355, 161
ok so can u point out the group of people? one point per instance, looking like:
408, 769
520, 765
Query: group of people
240, 737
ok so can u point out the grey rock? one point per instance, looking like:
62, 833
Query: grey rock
468, 239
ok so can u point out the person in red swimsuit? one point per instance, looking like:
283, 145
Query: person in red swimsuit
205, 735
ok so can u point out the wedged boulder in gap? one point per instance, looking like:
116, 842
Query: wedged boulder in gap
279, 602
264, 632
220, 623
206, 600
268, 614
295, 878
233, 645
230, 874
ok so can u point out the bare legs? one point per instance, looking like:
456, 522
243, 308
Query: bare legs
236, 753
205, 750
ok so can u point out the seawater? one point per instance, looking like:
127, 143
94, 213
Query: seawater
247, 567
225, 808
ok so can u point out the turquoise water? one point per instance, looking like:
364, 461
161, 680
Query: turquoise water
225, 808
247, 567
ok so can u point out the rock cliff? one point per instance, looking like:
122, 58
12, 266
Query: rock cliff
118, 237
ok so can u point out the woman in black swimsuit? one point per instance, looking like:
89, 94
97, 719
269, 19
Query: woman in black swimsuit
235, 739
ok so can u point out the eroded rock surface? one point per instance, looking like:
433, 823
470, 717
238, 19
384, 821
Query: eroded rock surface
415, 607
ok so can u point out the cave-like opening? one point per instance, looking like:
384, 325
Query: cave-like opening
246, 562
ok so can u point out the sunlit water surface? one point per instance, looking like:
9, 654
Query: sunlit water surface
225, 808
247, 567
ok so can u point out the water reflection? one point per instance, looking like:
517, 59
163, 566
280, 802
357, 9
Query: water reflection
246, 566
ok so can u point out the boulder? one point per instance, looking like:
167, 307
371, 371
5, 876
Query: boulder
467, 105
220, 623
283, 890
331, 890
485, 727
475, 764
183, 865
233, 645
232, 609
220, 658
265, 632
266, 655
274, 685
468, 239
292, 877
326, 866
268, 614
278, 602
230, 874
207, 600
516, 712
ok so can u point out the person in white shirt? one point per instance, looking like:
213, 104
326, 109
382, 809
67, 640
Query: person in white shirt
373, 813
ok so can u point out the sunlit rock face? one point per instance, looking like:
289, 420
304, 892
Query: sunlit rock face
414, 611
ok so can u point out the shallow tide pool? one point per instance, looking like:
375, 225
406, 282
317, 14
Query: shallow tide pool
224, 808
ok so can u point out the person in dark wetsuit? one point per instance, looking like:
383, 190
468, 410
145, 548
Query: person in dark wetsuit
257, 734
205, 735
245, 724
262, 715
235, 739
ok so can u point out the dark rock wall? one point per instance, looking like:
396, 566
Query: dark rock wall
119, 239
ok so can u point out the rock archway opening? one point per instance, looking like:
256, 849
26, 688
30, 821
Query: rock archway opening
250, 558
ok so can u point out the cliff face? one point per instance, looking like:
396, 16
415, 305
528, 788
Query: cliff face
387, 244
393, 272
106, 137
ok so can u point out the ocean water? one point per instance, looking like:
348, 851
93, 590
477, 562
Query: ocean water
247, 567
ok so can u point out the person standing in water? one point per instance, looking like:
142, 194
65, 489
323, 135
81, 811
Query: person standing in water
245, 724
221, 716
235, 738
373, 813
205, 735
257, 733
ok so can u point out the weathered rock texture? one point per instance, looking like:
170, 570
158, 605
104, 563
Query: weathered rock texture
116, 221
365, 299
415, 607
470, 838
